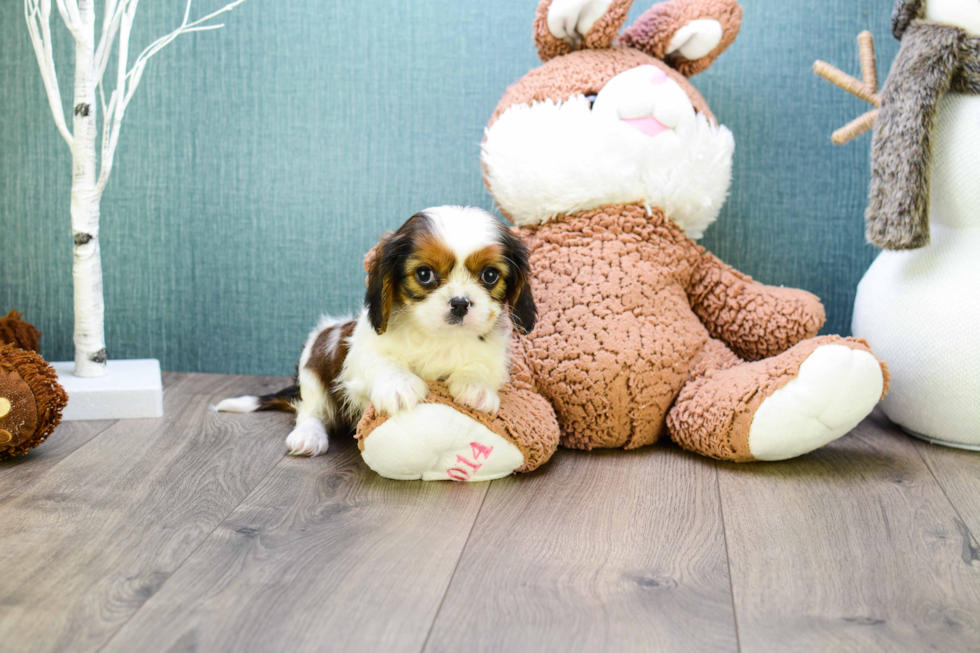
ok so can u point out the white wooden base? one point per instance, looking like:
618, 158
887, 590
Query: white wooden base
131, 390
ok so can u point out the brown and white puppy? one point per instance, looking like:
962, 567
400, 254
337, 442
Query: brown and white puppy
444, 292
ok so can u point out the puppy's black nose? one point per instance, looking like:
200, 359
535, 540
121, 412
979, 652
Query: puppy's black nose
459, 305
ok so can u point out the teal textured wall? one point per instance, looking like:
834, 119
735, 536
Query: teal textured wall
258, 163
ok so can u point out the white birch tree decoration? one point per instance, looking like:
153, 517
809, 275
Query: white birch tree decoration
92, 165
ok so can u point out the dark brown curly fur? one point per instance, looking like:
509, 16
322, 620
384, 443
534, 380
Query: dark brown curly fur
15, 331
49, 398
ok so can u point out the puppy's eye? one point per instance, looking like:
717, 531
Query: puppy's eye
490, 276
591, 99
425, 276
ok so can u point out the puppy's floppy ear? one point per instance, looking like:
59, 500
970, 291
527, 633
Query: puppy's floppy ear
523, 312
384, 263
381, 286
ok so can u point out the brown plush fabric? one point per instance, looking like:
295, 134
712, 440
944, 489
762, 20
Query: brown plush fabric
617, 335
36, 400
933, 60
713, 413
602, 35
548, 46
586, 72
15, 331
525, 419
756, 321
605, 30
18, 409
653, 31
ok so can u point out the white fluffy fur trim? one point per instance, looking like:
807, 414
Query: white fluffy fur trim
550, 159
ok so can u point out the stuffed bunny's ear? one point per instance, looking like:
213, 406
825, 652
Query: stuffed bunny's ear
563, 26
688, 34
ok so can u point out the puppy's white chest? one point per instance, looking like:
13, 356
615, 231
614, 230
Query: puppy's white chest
438, 359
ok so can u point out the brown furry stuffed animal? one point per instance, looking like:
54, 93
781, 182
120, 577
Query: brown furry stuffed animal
611, 162
31, 400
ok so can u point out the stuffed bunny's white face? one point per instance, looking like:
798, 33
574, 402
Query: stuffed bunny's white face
638, 140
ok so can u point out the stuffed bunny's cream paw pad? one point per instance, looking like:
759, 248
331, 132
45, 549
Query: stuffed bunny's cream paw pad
835, 389
434, 442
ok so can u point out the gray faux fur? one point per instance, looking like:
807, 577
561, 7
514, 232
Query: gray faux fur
933, 59
903, 14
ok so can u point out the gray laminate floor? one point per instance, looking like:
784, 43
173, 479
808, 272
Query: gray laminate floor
196, 533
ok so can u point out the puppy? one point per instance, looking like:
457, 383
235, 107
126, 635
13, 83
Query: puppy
444, 293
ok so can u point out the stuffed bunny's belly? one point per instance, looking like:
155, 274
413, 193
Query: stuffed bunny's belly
616, 335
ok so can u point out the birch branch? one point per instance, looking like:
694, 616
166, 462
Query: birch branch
128, 81
185, 28
69, 13
112, 120
38, 16
110, 27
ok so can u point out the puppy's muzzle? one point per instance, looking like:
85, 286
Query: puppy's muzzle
458, 307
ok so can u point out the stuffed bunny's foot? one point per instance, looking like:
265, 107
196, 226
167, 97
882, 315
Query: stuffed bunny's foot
835, 389
779, 407
435, 442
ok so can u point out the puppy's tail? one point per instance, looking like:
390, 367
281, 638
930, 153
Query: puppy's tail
284, 400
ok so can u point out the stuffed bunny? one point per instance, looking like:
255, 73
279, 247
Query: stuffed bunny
919, 303
609, 162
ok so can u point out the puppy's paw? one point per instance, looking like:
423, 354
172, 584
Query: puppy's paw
398, 392
308, 439
478, 396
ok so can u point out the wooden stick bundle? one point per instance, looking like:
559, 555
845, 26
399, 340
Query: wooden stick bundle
865, 88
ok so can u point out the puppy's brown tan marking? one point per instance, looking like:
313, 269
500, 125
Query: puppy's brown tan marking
487, 258
326, 361
327, 357
431, 252
435, 253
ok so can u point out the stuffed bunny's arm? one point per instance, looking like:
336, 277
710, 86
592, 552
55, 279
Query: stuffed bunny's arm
756, 321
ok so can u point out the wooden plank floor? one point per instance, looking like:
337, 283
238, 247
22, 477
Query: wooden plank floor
196, 533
